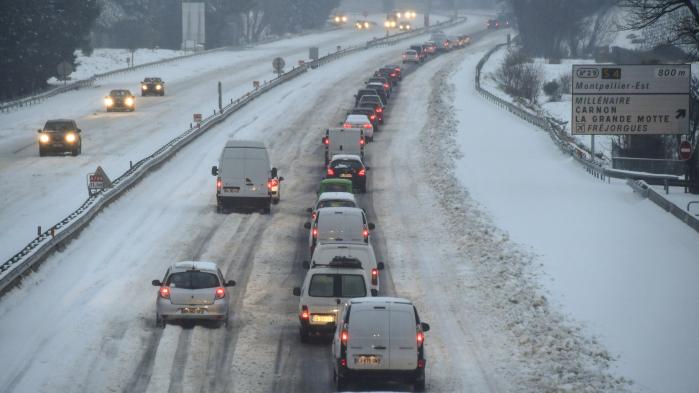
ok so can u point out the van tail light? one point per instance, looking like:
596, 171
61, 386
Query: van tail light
331, 172
164, 292
347, 125
386, 85
219, 183
420, 337
362, 142
314, 232
313, 215
374, 276
271, 183
326, 140
367, 125
220, 293
362, 172
343, 362
365, 232
304, 313
344, 336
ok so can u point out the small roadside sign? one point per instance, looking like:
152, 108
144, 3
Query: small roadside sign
685, 150
256, 84
630, 99
197, 117
278, 65
97, 181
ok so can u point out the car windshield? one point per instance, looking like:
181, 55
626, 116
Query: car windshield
118, 93
337, 285
354, 164
335, 203
193, 280
59, 126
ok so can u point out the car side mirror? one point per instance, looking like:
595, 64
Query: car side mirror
367, 168
39, 131
230, 283
307, 225
297, 291
374, 292
156, 283
274, 172
79, 130
309, 210
371, 226
425, 326
306, 265
281, 178
380, 266
214, 170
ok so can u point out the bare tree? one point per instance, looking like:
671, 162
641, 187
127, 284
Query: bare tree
679, 20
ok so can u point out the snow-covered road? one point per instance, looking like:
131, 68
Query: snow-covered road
84, 322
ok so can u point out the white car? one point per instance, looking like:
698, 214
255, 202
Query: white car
325, 289
360, 121
411, 56
338, 225
362, 252
379, 337
333, 199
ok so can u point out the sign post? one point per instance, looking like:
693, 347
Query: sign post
630, 99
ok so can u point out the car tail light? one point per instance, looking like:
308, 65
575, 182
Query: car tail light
314, 232
421, 363
372, 117
326, 140
313, 216
386, 85
165, 292
271, 183
219, 183
362, 172
374, 276
420, 337
365, 232
367, 125
304, 313
362, 141
347, 125
331, 172
343, 362
220, 293
344, 336
379, 109
393, 74
397, 69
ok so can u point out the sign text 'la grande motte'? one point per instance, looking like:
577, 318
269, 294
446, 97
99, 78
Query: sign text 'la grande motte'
630, 99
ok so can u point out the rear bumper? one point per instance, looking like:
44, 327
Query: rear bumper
233, 201
169, 311
415, 375
328, 328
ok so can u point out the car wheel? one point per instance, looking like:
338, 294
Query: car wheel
159, 322
419, 386
340, 382
303, 334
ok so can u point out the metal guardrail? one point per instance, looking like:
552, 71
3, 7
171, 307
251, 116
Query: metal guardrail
53, 238
637, 180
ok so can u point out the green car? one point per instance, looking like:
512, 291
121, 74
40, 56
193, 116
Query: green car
335, 185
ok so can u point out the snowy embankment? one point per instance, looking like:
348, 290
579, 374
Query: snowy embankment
606, 263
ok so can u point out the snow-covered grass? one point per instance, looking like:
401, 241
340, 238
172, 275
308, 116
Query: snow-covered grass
618, 267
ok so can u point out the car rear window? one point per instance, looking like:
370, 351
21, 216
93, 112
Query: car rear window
335, 203
193, 280
337, 285
354, 164
369, 323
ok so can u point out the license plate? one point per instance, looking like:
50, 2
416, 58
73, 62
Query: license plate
231, 189
367, 360
322, 318
192, 310
57, 145
346, 175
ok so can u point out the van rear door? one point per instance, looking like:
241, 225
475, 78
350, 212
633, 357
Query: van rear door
245, 171
368, 345
403, 343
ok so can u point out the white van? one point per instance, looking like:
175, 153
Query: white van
362, 252
244, 177
343, 141
380, 337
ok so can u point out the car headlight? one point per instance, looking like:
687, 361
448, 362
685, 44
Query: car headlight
128, 101
337, 19
144, 87
344, 19
70, 137
158, 87
108, 101
366, 25
44, 138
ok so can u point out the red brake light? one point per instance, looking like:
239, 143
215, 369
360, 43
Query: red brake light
420, 338
379, 109
343, 362
314, 232
326, 140
347, 125
365, 232
397, 69
374, 276
344, 336
271, 183
392, 74
372, 117
165, 292
362, 172
367, 125
304, 313
362, 141
220, 293
421, 363
219, 183
331, 172
313, 216
385, 85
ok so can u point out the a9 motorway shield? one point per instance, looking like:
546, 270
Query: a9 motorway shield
630, 99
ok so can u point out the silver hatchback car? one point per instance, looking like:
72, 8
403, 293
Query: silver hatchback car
192, 290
